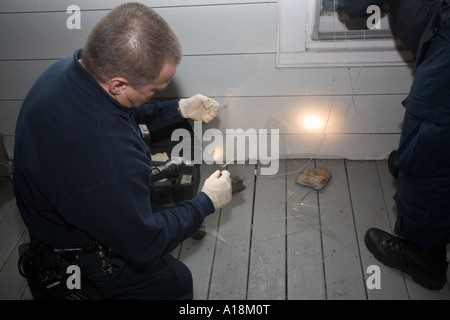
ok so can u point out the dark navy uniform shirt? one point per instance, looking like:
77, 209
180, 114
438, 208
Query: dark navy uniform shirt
82, 170
410, 17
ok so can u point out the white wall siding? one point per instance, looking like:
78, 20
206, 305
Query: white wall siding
230, 54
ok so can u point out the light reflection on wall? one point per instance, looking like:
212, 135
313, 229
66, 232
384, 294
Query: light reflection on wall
313, 122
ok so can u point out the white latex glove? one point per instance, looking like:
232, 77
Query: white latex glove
199, 108
218, 188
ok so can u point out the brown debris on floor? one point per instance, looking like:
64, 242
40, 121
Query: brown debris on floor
237, 184
316, 178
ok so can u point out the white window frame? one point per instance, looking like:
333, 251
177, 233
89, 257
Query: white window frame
296, 46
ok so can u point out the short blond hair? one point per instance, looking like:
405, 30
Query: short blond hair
131, 41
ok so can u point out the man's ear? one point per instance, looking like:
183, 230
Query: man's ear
117, 85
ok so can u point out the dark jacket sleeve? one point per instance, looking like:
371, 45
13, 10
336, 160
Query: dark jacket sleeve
357, 8
119, 214
157, 115
410, 18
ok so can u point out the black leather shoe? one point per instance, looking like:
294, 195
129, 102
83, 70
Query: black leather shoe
427, 267
201, 233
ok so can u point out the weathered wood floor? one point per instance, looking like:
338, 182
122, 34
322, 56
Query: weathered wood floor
276, 240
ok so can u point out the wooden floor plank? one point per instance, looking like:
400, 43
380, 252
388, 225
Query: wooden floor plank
305, 275
198, 255
343, 272
12, 284
6, 198
267, 269
11, 229
12, 233
389, 186
267, 245
369, 210
230, 270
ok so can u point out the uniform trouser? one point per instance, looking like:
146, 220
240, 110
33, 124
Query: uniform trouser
164, 279
423, 157
423, 192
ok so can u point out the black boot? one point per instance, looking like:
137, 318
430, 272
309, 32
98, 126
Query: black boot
201, 233
427, 267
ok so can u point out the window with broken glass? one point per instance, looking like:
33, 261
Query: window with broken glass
334, 24
317, 33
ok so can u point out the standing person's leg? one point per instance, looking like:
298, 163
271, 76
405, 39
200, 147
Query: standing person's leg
423, 192
423, 206
423, 161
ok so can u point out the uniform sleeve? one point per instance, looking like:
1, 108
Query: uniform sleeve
120, 216
357, 8
158, 114
411, 19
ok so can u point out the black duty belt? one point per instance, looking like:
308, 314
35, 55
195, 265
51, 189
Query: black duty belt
75, 253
